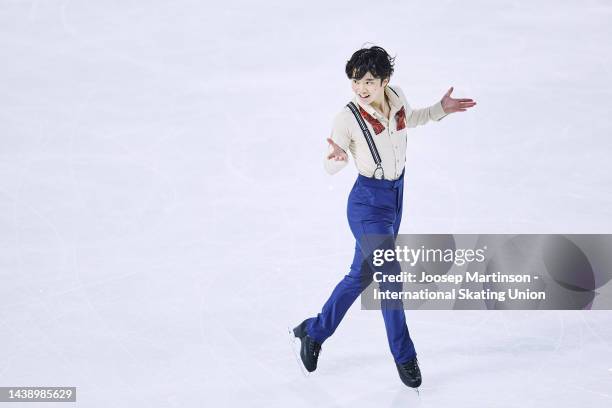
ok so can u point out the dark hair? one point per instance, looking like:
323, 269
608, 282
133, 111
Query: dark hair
374, 59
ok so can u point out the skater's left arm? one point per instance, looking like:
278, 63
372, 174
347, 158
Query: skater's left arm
436, 112
419, 117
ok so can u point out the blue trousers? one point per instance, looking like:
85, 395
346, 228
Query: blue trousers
374, 207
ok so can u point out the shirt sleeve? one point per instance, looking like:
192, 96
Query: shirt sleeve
342, 137
418, 117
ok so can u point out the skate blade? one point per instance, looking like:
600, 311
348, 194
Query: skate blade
295, 345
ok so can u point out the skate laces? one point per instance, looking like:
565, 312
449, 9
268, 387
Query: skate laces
314, 348
412, 366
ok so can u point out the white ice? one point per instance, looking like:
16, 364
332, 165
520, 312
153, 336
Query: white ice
159, 158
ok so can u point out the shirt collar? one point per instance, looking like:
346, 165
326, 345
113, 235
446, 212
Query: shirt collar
394, 102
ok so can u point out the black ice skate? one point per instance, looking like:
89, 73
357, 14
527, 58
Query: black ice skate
409, 373
309, 350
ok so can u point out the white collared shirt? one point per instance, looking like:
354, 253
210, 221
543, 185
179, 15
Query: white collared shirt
390, 141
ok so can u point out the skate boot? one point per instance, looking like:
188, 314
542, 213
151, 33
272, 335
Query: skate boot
409, 373
309, 350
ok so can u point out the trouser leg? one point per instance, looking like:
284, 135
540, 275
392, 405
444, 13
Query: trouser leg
342, 297
398, 337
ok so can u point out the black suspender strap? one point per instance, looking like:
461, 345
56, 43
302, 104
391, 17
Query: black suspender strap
378, 173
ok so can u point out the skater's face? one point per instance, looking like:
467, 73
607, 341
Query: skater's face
369, 89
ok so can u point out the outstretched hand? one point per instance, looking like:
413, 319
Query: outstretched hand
338, 153
451, 105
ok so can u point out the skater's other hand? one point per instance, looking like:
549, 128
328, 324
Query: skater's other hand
451, 105
338, 154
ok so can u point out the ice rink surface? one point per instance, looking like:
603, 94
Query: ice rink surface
164, 212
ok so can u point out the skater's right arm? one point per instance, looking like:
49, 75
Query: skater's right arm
336, 157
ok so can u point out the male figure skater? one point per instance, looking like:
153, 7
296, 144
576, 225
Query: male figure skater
375, 201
